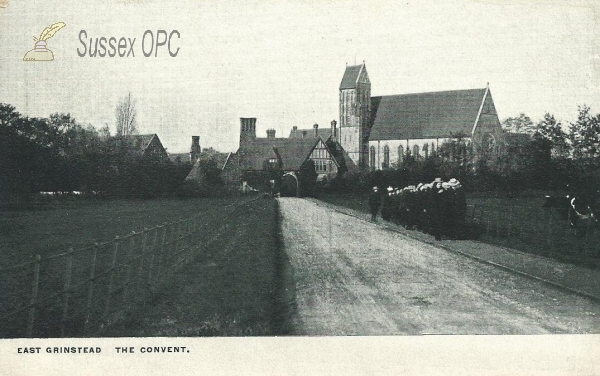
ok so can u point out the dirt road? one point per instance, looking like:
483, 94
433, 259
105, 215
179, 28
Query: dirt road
352, 277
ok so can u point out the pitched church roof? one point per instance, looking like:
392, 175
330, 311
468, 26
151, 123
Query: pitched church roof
350, 77
425, 115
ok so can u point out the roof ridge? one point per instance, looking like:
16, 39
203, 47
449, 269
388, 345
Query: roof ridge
428, 92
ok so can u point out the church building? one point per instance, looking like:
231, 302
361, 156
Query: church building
379, 132
375, 132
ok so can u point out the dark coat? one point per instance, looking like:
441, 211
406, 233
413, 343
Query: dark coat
374, 201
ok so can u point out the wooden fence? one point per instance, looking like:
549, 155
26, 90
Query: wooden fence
79, 292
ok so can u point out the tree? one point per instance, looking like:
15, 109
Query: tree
126, 114
584, 134
8, 114
520, 124
550, 129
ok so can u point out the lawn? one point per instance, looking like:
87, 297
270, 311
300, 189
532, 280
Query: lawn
81, 222
519, 223
227, 285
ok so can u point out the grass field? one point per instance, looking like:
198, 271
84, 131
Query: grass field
228, 287
518, 223
25, 233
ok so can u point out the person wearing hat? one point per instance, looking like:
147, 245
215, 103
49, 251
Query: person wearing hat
386, 209
409, 207
458, 207
438, 209
374, 203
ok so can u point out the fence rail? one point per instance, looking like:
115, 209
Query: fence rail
81, 291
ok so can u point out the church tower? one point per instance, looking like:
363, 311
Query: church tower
355, 113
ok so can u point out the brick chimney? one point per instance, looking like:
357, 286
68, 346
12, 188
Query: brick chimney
303, 134
294, 131
270, 133
247, 129
316, 129
195, 149
334, 130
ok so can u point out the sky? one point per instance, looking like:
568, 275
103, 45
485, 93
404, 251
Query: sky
282, 61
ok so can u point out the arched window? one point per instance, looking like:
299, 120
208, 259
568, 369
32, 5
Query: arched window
400, 154
386, 157
372, 157
415, 151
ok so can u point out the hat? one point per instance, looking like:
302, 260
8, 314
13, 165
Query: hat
454, 183
438, 180
375, 188
390, 188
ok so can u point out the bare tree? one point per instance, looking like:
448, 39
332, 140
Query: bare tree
126, 116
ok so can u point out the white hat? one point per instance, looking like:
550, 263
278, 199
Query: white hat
438, 180
454, 183
390, 188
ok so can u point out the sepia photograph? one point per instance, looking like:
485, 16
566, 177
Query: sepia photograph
306, 180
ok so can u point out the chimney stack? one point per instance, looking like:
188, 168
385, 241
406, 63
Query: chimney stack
247, 129
195, 149
270, 133
334, 130
303, 134
316, 129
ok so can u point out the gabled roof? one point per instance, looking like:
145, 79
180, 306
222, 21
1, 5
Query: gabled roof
350, 77
293, 151
139, 140
254, 153
425, 115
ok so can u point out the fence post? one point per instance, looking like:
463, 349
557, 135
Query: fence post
179, 243
162, 252
127, 265
111, 275
34, 293
152, 256
140, 273
66, 291
90, 292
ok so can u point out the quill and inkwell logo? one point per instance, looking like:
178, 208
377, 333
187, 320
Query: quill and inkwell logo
40, 52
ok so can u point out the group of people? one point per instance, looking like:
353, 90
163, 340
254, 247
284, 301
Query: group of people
438, 208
